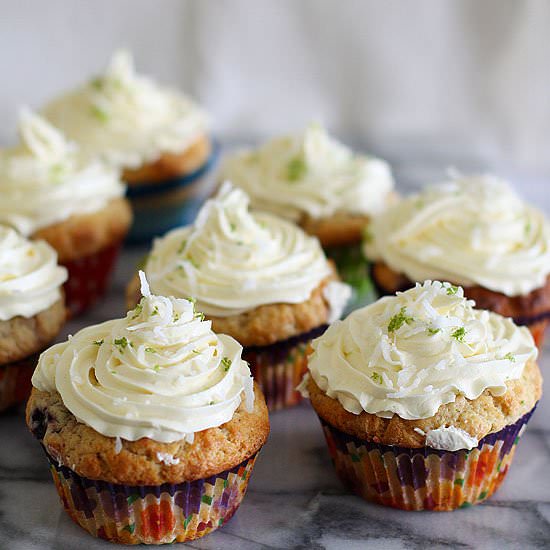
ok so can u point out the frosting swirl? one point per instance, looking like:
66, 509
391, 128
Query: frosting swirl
159, 373
45, 179
472, 231
233, 261
310, 174
127, 118
411, 353
30, 279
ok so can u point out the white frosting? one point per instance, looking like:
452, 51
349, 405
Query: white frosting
411, 353
337, 294
233, 261
312, 174
471, 231
159, 373
450, 439
45, 179
30, 279
127, 118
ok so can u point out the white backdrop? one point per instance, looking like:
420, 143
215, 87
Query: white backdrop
465, 81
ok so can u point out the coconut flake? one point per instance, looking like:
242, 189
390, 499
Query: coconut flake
248, 393
145, 291
302, 386
167, 459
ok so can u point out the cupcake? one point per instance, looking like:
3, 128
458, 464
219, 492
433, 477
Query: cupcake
50, 191
151, 424
32, 310
258, 278
423, 398
473, 231
320, 184
156, 135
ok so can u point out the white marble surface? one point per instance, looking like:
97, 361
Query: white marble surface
294, 498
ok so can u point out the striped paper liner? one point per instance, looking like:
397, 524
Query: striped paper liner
423, 478
280, 367
161, 514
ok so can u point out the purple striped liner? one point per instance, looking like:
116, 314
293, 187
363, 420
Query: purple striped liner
152, 514
423, 478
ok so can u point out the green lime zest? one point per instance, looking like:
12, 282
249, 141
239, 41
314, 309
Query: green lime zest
99, 113
376, 378
399, 319
296, 169
226, 363
121, 343
458, 334
137, 310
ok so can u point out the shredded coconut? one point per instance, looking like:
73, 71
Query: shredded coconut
167, 458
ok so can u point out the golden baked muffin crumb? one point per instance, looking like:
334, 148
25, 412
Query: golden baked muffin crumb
487, 414
94, 455
84, 234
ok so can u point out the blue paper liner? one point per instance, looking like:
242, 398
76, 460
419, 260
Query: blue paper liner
161, 206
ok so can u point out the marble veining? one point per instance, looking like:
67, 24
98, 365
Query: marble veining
294, 498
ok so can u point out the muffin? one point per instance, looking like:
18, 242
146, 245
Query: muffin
32, 310
423, 398
156, 135
258, 278
50, 191
324, 187
151, 424
473, 231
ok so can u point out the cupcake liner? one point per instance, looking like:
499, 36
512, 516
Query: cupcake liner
161, 206
425, 478
160, 514
354, 269
15, 381
280, 367
538, 330
89, 277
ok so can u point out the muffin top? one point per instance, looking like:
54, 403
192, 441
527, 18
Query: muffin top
232, 261
159, 373
411, 354
471, 230
30, 279
45, 179
311, 175
127, 118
